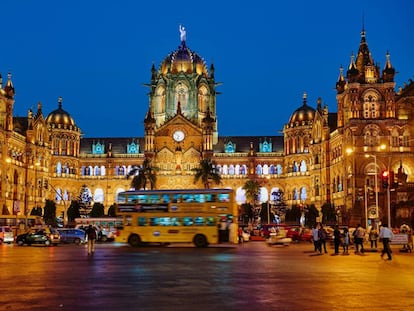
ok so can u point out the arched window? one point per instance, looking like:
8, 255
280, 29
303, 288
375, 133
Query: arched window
265, 169
303, 167
279, 169
98, 196
295, 194
243, 170
240, 196
231, 169
59, 168
371, 106
225, 169
259, 169
58, 196
237, 169
303, 194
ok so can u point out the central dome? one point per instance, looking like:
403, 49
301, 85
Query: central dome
302, 115
183, 60
60, 117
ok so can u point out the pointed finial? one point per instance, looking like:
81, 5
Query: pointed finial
304, 98
60, 99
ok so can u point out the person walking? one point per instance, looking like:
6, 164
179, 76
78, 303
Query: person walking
322, 238
386, 235
90, 234
373, 237
337, 239
316, 239
345, 241
359, 235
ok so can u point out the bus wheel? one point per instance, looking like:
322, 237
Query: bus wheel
134, 240
200, 240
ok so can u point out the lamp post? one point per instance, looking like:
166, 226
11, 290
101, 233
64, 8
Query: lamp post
375, 185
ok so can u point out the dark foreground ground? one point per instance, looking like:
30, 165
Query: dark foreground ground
248, 277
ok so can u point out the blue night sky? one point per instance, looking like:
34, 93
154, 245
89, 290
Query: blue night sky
98, 54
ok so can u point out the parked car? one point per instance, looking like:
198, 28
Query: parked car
6, 235
71, 235
34, 237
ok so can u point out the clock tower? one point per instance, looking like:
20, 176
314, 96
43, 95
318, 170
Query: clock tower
180, 125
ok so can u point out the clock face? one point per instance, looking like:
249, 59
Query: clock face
178, 136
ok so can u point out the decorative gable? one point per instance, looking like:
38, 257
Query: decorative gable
98, 148
132, 148
230, 147
265, 146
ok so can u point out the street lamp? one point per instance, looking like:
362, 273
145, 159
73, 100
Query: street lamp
375, 185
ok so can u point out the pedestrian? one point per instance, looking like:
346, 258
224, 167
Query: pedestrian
233, 232
337, 239
90, 234
315, 239
386, 236
240, 235
322, 238
373, 237
359, 235
345, 241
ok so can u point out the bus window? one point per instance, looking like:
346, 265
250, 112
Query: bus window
210, 221
223, 197
164, 221
199, 221
177, 198
187, 221
199, 198
165, 198
154, 198
175, 221
154, 221
188, 198
142, 221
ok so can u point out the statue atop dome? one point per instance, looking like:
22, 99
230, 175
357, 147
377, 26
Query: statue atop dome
182, 33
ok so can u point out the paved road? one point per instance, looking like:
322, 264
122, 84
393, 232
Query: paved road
249, 277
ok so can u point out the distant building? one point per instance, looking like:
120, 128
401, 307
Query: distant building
319, 160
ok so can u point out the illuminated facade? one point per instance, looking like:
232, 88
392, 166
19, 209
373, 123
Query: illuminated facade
46, 157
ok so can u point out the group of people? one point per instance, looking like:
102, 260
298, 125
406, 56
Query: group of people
319, 236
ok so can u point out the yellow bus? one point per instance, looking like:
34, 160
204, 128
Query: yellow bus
171, 216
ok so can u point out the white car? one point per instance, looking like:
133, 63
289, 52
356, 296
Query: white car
278, 238
246, 236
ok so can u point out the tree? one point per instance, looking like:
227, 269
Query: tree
207, 172
328, 213
84, 199
49, 215
143, 175
112, 211
36, 211
73, 211
98, 210
252, 190
311, 216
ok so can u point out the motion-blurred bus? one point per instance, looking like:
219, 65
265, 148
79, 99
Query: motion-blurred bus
169, 216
